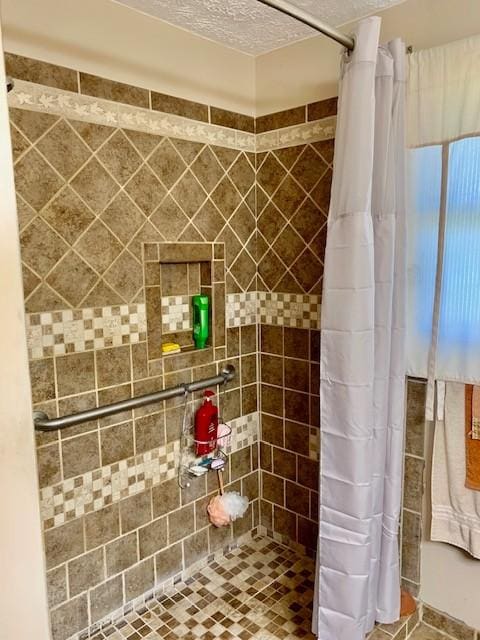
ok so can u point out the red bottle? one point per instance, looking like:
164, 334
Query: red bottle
206, 425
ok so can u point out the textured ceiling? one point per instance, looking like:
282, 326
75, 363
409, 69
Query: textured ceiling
248, 25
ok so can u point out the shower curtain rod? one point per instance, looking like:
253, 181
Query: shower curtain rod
302, 16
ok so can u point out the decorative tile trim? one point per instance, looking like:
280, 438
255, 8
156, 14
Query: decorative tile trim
298, 134
96, 489
70, 331
73, 331
176, 314
241, 309
37, 97
289, 310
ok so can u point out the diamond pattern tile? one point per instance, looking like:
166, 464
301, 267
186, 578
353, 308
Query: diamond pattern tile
19, 142
68, 215
307, 270
288, 245
226, 197
209, 221
243, 223
167, 163
270, 174
94, 185
41, 247
64, 149
207, 169
99, 247
188, 194
72, 278
146, 190
243, 269
309, 168
120, 157
145, 143
123, 217
32, 123
35, 180
270, 269
169, 219
93, 134
125, 276
242, 174
271, 222
104, 191
225, 156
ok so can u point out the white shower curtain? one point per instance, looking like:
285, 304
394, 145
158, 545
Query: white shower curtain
363, 354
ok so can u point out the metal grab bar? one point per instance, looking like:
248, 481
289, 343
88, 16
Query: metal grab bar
42, 422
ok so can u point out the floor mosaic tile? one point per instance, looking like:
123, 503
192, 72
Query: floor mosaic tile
260, 591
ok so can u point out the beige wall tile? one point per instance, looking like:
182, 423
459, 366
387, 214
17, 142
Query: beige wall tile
57, 585
40, 72
80, 454
136, 511
169, 562
85, 571
42, 379
240, 463
139, 579
64, 542
49, 468
181, 523
75, 373
116, 443
195, 547
121, 554
179, 106
69, 618
152, 537
109, 90
113, 366
106, 598
102, 526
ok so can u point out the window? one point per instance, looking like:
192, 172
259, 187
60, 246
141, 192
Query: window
454, 167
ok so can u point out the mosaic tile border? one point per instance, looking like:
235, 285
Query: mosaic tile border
176, 314
96, 489
289, 309
241, 309
72, 331
37, 97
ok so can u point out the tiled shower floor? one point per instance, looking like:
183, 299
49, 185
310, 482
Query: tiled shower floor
261, 590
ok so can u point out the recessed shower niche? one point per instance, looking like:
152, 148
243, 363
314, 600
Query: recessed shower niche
174, 272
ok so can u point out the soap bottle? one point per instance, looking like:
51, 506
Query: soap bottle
200, 321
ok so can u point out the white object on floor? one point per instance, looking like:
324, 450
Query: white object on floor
455, 509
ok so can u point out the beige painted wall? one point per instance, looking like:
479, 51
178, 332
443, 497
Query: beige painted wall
111, 40
23, 599
308, 70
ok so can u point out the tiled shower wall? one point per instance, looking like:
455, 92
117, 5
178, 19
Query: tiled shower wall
94, 184
90, 194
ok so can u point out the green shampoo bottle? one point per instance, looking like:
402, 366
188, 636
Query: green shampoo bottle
200, 321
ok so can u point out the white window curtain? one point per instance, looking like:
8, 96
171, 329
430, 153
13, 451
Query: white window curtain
363, 350
444, 214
